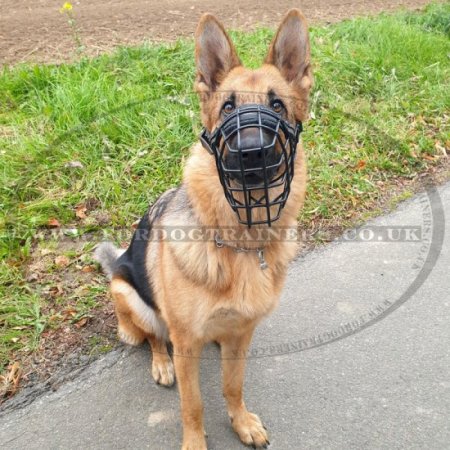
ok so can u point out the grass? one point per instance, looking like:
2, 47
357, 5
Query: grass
380, 111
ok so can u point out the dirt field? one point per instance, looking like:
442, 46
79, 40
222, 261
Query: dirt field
35, 30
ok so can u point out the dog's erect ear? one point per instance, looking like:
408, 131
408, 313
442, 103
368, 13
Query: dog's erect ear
289, 50
290, 53
215, 54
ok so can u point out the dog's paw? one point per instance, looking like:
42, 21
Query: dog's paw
250, 429
194, 443
163, 371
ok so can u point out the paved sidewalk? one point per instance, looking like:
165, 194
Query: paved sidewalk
384, 386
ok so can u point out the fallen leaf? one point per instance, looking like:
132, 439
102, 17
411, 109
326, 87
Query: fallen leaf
71, 232
32, 277
82, 322
74, 165
80, 211
361, 164
56, 290
54, 318
92, 203
69, 313
440, 148
86, 269
428, 157
9, 383
62, 261
53, 223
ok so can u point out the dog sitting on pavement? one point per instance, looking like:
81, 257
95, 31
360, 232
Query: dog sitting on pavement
247, 174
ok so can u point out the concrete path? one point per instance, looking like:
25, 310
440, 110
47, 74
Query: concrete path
356, 357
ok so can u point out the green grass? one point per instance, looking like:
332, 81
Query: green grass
381, 102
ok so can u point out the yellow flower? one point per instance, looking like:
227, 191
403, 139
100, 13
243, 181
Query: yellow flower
66, 7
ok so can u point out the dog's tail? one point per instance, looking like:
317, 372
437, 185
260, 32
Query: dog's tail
106, 254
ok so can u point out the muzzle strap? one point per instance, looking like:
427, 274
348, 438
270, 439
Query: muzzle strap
205, 139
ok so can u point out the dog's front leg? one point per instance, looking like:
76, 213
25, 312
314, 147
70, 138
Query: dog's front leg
247, 425
186, 358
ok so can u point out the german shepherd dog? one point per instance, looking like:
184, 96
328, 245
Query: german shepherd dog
193, 292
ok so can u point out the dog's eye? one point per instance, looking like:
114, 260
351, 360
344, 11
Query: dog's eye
277, 106
228, 107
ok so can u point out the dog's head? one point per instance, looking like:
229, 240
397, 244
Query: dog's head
254, 112
282, 83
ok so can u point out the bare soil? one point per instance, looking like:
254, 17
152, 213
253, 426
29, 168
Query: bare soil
36, 30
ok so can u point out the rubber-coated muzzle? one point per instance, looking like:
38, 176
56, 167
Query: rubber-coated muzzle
254, 149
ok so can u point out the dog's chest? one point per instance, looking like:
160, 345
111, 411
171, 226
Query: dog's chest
223, 321
224, 316
250, 296
228, 290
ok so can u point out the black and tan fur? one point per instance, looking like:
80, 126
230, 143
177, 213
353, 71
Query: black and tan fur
192, 293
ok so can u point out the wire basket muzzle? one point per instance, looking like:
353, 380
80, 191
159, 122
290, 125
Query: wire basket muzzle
255, 149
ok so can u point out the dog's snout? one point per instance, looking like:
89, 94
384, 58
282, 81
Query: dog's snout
254, 158
250, 140
255, 149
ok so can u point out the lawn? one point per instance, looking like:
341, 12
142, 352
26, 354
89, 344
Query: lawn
87, 146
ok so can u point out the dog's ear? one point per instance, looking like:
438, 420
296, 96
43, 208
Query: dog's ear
215, 54
290, 53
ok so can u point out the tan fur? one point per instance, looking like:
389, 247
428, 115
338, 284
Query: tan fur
205, 293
